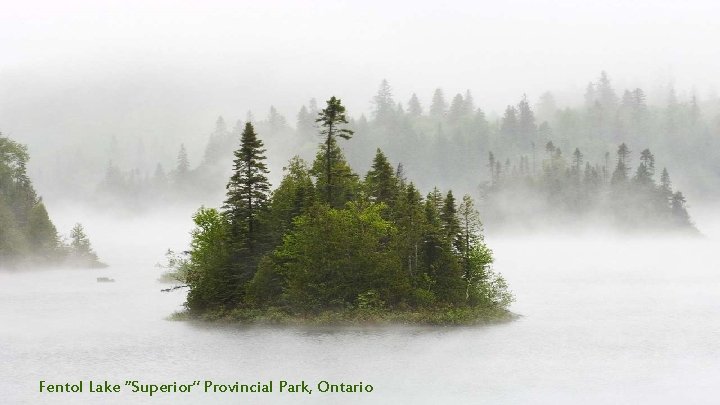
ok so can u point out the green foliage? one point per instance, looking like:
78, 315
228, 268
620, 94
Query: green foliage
266, 287
26, 232
80, 253
335, 255
330, 167
337, 184
380, 181
338, 248
211, 284
248, 193
292, 198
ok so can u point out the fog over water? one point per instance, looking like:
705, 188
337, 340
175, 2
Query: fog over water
604, 320
105, 93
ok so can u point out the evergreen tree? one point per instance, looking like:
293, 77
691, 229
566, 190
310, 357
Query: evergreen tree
457, 109
247, 196
665, 183
81, 253
606, 95
331, 120
381, 183
620, 174
526, 120
414, 108
409, 219
276, 121
646, 169
183, 164
305, 122
384, 104
291, 199
469, 103
475, 256
510, 125
438, 107
451, 225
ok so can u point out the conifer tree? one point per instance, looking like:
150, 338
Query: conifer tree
679, 211
665, 183
381, 182
384, 104
469, 225
183, 163
247, 195
457, 108
469, 105
414, 108
409, 220
526, 119
305, 121
606, 95
577, 161
276, 121
451, 225
292, 198
620, 174
81, 253
438, 107
510, 126
332, 119
646, 169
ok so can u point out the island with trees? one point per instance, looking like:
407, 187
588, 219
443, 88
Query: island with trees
28, 238
540, 151
327, 246
575, 192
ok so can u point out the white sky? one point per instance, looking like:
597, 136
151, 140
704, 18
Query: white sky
82, 66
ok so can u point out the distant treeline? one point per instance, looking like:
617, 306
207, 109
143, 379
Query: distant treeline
563, 190
448, 141
326, 239
27, 235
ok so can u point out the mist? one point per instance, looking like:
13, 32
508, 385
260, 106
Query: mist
555, 163
73, 75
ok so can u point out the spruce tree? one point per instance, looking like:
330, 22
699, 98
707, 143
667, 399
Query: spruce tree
247, 195
665, 183
438, 108
526, 120
577, 161
451, 225
384, 104
414, 108
183, 163
332, 119
620, 174
382, 185
509, 126
457, 109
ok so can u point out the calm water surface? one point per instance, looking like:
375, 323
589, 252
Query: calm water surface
605, 320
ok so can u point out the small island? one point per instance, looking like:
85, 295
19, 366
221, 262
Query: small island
577, 193
327, 247
28, 238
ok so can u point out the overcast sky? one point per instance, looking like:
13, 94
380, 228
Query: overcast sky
134, 66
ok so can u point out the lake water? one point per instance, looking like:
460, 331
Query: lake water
605, 320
